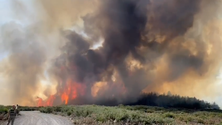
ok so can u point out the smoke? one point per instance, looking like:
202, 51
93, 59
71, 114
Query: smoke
24, 63
147, 45
134, 32
65, 14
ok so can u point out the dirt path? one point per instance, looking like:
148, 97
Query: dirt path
37, 118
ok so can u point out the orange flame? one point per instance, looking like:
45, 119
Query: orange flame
65, 97
72, 90
48, 102
40, 102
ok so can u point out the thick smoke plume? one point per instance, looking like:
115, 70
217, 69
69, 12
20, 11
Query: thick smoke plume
130, 30
146, 45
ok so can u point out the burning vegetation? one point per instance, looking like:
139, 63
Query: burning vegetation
146, 46
136, 35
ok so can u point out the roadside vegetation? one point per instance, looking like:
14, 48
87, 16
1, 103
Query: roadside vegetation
4, 110
134, 115
27, 108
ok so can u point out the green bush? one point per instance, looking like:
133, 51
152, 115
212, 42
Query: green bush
3, 110
46, 110
169, 115
69, 113
134, 114
57, 109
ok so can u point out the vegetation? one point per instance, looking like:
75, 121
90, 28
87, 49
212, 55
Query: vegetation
27, 108
3, 109
173, 101
93, 114
148, 109
3, 112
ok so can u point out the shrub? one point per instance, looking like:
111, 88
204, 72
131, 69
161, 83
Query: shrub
3, 110
134, 114
46, 110
57, 109
69, 113
169, 115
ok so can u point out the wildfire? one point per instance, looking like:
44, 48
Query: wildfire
40, 102
48, 102
65, 97
70, 92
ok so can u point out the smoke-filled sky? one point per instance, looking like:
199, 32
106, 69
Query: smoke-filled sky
86, 51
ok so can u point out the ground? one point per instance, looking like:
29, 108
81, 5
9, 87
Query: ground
37, 118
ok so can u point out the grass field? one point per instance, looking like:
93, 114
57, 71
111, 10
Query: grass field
134, 115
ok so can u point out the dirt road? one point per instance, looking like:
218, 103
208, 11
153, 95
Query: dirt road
37, 118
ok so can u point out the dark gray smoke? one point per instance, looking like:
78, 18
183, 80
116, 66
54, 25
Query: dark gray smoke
147, 46
129, 28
